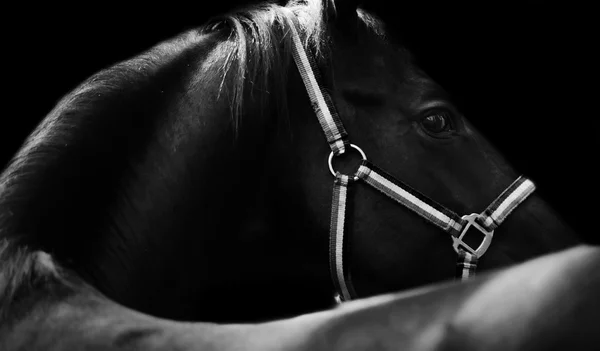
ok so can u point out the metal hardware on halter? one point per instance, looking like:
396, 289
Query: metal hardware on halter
329, 161
485, 243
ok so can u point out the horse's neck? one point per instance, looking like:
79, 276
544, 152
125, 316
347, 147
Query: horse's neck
145, 207
157, 204
228, 244
198, 228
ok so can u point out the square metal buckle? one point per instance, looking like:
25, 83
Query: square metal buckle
485, 243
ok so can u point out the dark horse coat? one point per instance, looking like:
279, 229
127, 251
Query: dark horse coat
189, 183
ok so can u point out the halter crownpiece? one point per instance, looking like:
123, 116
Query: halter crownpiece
457, 226
322, 104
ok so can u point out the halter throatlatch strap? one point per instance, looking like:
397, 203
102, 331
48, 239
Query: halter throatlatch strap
322, 104
411, 198
337, 245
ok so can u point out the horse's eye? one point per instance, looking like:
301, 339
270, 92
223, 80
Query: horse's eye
436, 123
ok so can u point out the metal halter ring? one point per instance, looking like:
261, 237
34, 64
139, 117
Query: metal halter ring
471, 223
364, 157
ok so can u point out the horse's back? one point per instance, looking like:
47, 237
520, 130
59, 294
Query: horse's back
546, 303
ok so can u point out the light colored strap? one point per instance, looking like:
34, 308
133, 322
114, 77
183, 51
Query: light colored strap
504, 204
411, 198
466, 265
322, 104
339, 273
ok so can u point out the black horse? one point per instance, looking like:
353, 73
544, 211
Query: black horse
190, 182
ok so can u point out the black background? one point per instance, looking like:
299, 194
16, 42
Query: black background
517, 71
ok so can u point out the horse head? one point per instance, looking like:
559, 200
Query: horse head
406, 124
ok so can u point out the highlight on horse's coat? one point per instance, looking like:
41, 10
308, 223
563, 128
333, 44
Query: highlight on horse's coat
181, 199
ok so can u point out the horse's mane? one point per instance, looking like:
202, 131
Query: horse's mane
260, 45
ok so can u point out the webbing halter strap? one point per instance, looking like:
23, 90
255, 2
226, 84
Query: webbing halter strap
322, 104
455, 225
337, 245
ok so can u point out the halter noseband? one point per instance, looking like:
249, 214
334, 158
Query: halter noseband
450, 222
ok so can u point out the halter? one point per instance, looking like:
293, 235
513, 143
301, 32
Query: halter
457, 226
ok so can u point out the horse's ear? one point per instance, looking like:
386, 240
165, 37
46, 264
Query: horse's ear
343, 10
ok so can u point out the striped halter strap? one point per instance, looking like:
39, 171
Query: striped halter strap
450, 222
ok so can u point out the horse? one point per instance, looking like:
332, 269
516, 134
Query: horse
193, 183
